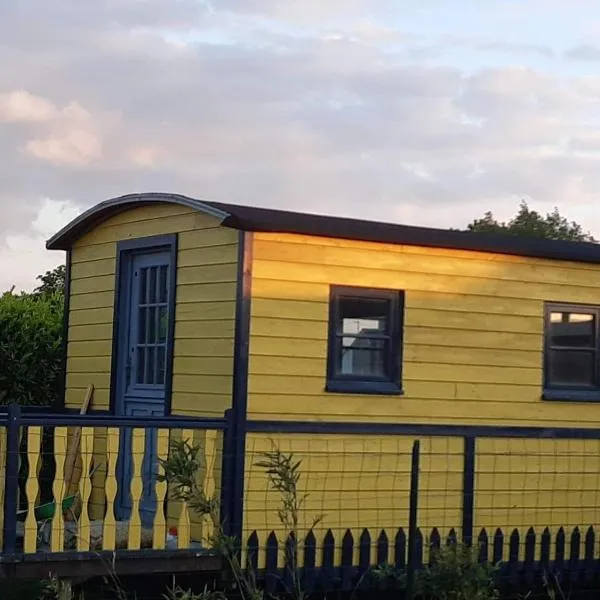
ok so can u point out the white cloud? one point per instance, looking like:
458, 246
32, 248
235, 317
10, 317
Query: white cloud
75, 148
24, 256
253, 102
20, 105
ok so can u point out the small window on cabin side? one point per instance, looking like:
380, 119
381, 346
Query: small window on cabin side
572, 345
365, 340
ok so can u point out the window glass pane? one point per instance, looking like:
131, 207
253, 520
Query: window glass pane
152, 318
162, 364
151, 366
140, 364
142, 325
572, 367
363, 315
152, 285
164, 282
363, 357
572, 329
143, 275
162, 324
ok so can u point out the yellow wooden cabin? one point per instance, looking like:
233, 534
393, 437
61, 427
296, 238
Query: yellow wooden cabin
344, 341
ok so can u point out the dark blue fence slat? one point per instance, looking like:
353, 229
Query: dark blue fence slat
327, 569
364, 552
559, 561
590, 542
347, 560
310, 560
271, 572
418, 557
291, 561
574, 556
498, 547
545, 551
483, 544
383, 548
400, 549
513, 556
253, 546
452, 538
529, 562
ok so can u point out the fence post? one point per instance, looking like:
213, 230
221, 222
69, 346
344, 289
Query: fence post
11, 474
412, 516
227, 473
468, 490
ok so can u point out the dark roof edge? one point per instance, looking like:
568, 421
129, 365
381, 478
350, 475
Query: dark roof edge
248, 218
268, 220
63, 239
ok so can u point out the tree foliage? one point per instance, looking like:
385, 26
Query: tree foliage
31, 349
530, 223
52, 282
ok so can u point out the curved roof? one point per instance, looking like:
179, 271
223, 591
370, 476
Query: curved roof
247, 218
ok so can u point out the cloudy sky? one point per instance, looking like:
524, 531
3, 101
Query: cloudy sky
428, 112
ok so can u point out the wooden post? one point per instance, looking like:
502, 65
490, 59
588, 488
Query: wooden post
73, 451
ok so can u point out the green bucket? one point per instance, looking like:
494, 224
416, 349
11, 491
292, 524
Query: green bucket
46, 511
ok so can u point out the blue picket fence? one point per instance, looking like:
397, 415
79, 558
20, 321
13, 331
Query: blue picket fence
530, 558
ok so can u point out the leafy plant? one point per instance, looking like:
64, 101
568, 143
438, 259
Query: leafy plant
455, 573
284, 473
284, 476
30, 348
178, 593
180, 472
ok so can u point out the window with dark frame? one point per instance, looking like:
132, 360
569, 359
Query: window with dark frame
572, 343
365, 340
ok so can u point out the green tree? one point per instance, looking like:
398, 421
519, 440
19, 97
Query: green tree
31, 349
52, 282
530, 223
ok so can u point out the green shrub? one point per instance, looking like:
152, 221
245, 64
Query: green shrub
30, 348
456, 574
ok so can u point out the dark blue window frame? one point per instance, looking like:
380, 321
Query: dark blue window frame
357, 384
570, 393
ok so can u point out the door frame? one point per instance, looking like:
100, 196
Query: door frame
126, 249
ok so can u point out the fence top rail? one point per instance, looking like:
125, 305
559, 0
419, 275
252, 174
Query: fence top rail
104, 420
427, 430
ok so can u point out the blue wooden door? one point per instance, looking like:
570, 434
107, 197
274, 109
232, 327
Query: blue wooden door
147, 304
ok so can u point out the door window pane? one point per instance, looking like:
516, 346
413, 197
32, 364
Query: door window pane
142, 321
164, 282
574, 330
143, 278
140, 364
152, 286
163, 324
572, 368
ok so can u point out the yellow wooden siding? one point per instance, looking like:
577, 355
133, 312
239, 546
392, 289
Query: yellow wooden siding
205, 310
473, 333
536, 483
356, 482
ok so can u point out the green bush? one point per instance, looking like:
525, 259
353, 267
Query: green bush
456, 574
30, 348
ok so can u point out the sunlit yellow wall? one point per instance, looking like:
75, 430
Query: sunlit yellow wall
356, 482
473, 340
473, 332
523, 483
205, 311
